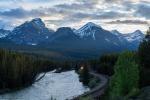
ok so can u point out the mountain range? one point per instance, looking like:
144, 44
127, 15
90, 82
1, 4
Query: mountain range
89, 40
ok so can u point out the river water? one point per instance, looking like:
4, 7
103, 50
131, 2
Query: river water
60, 86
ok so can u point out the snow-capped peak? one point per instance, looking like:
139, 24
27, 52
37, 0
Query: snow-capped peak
38, 22
137, 35
90, 24
116, 32
87, 30
137, 32
36, 19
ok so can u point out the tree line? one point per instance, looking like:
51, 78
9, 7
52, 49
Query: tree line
16, 70
19, 70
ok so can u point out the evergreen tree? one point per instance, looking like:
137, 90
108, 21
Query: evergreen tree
105, 65
126, 76
84, 75
19, 70
144, 60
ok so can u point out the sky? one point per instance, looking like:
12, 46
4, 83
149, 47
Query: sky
123, 15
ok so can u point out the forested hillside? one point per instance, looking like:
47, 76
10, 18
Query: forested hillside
19, 70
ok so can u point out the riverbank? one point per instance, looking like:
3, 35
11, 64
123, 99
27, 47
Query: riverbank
98, 90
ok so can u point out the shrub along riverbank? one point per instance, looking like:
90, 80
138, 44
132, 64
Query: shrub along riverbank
86, 77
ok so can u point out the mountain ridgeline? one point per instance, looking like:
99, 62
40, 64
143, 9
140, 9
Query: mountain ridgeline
88, 41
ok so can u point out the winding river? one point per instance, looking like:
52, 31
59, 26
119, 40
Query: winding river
60, 86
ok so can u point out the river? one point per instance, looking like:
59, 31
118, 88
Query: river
60, 86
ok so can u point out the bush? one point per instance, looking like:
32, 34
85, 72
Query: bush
133, 93
93, 82
86, 98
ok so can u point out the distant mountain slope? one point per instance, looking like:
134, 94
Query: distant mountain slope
135, 36
4, 33
87, 30
133, 39
88, 41
31, 33
63, 34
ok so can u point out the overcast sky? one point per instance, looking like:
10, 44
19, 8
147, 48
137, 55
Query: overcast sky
123, 15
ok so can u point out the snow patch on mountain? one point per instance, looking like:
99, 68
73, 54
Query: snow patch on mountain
135, 36
3, 33
107, 40
115, 43
130, 37
47, 37
38, 22
33, 44
87, 30
31, 32
115, 32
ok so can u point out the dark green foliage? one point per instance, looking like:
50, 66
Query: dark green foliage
105, 65
94, 81
65, 66
144, 54
19, 70
144, 77
46, 65
124, 82
144, 60
16, 70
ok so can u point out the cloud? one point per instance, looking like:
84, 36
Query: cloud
143, 10
22, 13
110, 15
122, 1
110, 1
68, 12
140, 22
81, 17
17, 13
98, 15
74, 6
79, 5
6, 24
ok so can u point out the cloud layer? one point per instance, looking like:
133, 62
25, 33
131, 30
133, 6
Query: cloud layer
75, 13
